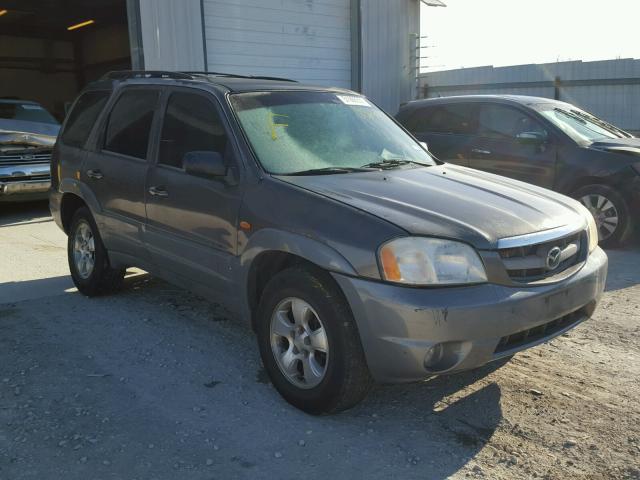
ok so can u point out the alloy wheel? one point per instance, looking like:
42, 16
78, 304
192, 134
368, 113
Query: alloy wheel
299, 343
604, 212
84, 250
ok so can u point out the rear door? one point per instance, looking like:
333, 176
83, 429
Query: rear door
447, 129
191, 221
512, 142
116, 171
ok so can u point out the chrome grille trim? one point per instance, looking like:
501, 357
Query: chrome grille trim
25, 158
541, 237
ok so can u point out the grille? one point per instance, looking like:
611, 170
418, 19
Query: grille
533, 335
25, 158
529, 263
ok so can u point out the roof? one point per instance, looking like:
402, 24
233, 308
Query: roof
521, 99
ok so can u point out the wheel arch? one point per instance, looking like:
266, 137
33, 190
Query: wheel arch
270, 251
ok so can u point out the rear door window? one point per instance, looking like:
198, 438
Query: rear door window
455, 118
83, 117
191, 123
130, 121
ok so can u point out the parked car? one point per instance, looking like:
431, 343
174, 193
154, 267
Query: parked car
27, 135
545, 142
352, 252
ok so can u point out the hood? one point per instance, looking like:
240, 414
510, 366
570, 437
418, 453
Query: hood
22, 139
23, 126
625, 146
449, 201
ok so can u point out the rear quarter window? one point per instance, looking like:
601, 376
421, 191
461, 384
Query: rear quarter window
83, 117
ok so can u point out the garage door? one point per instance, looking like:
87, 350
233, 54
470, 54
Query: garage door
305, 40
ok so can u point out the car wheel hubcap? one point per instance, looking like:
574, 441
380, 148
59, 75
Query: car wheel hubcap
299, 343
84, 250
604, 212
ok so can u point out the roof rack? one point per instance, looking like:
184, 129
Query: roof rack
237, 75
126, 74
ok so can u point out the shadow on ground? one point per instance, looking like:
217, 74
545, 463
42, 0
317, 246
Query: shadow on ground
24, 213
157, 383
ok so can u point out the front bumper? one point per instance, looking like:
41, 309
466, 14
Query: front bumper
475, 325
24, 190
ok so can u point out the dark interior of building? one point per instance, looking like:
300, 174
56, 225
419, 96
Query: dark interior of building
50, 49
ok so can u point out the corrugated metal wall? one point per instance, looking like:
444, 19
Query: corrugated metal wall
306, 40
389, 32
609, 89
171, 34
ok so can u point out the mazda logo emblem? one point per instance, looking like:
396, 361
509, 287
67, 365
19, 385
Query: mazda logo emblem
553, 258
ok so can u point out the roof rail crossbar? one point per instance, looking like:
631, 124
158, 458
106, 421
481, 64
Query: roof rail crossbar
126, 74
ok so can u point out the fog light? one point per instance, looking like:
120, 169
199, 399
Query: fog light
433, 357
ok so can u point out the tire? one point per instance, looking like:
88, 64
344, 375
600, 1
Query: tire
338, 379
100, 278
606, 205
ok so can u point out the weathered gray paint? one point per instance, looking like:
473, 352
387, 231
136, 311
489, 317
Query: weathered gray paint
605, 88
389, 31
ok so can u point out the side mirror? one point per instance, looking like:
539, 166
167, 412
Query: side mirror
204, 164
424, 145
531, 138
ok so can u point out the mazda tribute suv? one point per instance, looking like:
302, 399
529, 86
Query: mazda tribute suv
353, 254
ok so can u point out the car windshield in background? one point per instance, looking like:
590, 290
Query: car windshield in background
323, 133
26, 112
580, 125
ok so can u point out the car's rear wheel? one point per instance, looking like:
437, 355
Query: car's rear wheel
88, 260
609, 210
309, 342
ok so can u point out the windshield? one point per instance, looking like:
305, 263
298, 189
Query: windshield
25, 111
314, 132
580, 125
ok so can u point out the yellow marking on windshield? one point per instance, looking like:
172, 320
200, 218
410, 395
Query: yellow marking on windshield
273, 124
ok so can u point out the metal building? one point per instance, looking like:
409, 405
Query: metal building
365, 45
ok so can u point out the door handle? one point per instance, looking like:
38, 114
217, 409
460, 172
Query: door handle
95, 174
480, 151
158, 192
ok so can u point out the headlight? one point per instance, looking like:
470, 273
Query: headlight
592, 231
430, 261
592, 227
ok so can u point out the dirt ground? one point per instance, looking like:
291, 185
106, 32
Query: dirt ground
154, 383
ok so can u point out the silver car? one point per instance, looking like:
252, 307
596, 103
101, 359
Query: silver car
27, 135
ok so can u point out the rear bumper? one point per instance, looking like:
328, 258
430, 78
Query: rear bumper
24, 190
473, 325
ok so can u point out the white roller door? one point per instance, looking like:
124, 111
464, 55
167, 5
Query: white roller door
305, 40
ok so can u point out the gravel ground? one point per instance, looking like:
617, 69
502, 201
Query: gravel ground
155, 383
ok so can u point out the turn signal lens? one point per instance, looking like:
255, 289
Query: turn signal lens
390, 264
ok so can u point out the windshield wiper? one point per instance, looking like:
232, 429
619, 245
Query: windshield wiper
604, 124
393, 163
330, 171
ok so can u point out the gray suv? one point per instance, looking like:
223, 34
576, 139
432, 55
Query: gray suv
353, 254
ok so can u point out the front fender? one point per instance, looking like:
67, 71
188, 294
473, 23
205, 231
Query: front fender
274, 240
76, 187
271, 239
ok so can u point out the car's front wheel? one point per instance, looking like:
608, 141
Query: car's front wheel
88, 261
609, 210
309, 342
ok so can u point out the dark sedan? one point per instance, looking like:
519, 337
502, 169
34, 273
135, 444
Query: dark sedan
548, 143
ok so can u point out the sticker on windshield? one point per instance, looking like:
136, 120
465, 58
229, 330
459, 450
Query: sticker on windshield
353, 100
31, 107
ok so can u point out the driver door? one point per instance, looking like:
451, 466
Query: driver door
191, 220
512, 143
